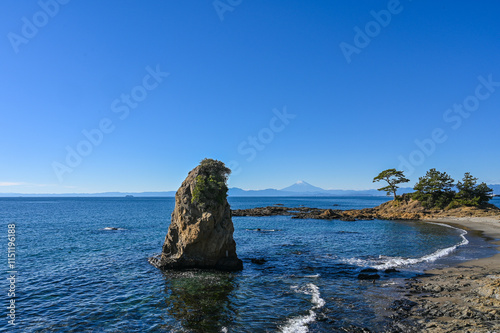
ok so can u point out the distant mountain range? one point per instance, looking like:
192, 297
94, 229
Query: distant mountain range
302, 188
299, 189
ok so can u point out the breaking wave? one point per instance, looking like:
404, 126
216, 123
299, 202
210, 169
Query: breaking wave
299, 324
386, 262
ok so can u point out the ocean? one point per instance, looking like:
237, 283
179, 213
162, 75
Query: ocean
81, 265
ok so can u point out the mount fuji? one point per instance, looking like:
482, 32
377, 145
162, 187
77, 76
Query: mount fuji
302, 187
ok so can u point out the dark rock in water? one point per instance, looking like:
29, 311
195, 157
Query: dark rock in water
364, 276
355, 329
391, 270
403, 305
201, 231
258, 261
369, 270
329, 214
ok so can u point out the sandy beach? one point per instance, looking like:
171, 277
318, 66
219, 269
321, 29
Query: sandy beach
464, 298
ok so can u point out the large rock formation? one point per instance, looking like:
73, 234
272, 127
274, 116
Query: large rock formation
201, 231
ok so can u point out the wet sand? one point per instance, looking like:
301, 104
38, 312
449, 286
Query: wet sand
464, 298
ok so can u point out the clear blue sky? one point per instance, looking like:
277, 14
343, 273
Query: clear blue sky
329, 92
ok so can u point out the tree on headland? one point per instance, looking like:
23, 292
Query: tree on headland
438, 190
393, 177
470, 194
434, 189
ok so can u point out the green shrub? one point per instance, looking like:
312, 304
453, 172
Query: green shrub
453, 204
210, 185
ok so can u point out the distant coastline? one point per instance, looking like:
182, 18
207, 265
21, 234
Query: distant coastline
299, 189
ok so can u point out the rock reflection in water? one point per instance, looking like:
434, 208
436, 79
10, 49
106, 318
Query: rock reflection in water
200, 300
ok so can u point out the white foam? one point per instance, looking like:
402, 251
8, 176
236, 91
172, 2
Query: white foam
385, 262
263, 230
312, 276
299, 324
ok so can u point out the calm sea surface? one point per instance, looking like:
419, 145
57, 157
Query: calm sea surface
73, 274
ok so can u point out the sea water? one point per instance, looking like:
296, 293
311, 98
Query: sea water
81, 266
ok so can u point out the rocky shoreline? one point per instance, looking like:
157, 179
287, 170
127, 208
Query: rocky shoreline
465, 298
308, 213
406, 209
458, 299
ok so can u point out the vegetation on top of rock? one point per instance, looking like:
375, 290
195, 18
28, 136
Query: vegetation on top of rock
392, 177
435, 189
210, 189
471, 194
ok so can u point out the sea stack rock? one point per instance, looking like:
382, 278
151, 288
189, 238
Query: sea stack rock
201, 231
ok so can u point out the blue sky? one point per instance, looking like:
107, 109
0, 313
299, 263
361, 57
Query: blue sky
325, 91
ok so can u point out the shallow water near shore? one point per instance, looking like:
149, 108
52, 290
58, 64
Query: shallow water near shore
82, 267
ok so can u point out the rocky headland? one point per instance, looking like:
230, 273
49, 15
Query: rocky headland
404, 209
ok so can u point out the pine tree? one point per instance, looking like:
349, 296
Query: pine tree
434, 189
392, 177
470, 194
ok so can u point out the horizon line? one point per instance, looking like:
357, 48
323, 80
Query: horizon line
166, 191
